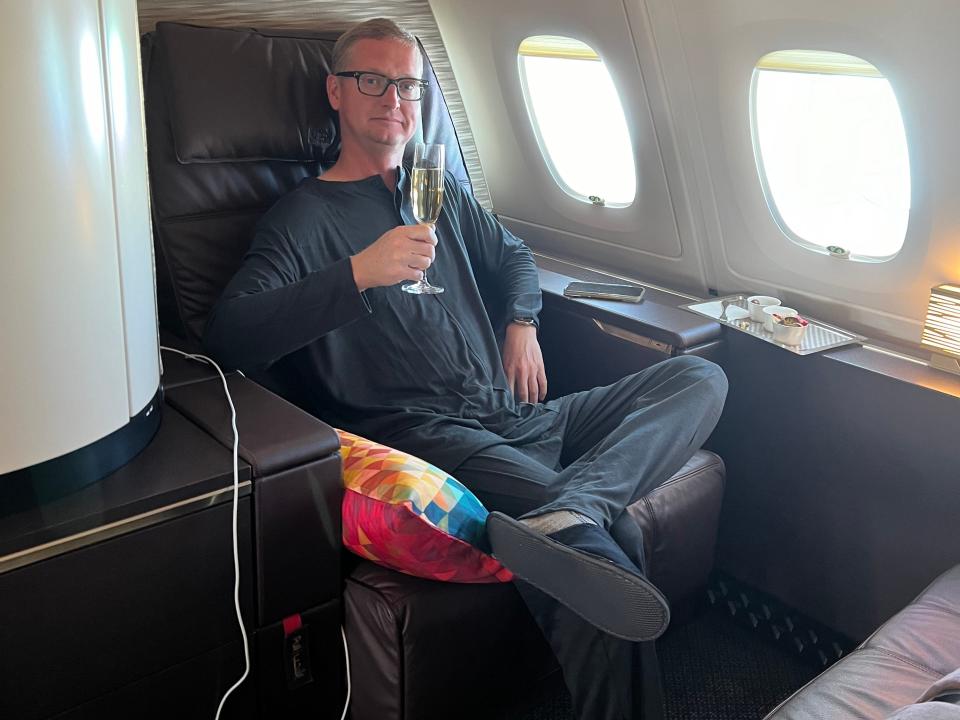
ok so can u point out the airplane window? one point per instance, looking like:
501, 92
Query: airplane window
831, 152
577, 117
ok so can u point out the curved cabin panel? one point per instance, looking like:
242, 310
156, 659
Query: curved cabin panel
648, 236
718, 46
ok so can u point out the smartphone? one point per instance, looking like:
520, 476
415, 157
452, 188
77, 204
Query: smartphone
605, 291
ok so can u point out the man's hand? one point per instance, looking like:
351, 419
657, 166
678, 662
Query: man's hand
399, 254
523, 363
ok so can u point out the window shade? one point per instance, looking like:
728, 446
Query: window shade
554, 46
821, 62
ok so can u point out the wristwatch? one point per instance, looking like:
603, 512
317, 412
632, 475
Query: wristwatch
524, 321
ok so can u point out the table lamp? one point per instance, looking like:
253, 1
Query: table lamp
941, 331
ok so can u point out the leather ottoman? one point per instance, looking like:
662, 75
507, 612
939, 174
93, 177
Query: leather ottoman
891, 668
425, 650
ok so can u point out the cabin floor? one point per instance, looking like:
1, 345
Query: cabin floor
713, 668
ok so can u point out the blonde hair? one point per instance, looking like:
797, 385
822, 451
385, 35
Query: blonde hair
375, 29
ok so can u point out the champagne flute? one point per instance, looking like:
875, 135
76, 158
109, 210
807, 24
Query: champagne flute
426, 195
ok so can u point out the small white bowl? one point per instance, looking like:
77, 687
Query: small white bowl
788, 334
756, 304
770, 310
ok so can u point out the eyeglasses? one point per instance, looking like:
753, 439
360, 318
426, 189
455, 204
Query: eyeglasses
376, 85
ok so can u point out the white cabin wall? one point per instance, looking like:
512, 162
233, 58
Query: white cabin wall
709, 50
683, 68
654, 238
714, 48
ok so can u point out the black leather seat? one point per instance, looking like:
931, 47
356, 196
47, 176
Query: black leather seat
893, 667
236, 118
423, 645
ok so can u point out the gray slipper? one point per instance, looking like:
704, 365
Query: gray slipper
582, 567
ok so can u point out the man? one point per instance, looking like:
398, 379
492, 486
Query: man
319, 297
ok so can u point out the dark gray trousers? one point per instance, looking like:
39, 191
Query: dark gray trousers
610, 447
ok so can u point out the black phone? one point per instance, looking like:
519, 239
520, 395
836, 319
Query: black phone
605, 291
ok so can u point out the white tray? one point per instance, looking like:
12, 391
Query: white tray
732, 311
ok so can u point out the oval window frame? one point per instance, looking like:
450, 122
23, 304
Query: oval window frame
860, 66
541, 142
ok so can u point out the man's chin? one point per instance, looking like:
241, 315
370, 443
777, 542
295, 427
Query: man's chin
392, 140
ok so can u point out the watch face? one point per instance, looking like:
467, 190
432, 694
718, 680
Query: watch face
524, 320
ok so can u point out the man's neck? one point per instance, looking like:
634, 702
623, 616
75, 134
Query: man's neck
357, 166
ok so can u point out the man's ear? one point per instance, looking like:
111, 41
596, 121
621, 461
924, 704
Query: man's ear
333, 91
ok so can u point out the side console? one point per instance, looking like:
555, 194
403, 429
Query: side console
117, 600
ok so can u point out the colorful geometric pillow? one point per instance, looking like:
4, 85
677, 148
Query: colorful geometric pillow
406, 514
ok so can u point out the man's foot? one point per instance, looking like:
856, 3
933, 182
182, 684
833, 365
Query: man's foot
552, 522
582, 567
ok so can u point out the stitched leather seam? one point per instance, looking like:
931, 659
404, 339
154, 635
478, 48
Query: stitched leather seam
694, 471
909, 661
655, 525
401, 656
386, 600
213, 215
810, 683
940, 606
836, 668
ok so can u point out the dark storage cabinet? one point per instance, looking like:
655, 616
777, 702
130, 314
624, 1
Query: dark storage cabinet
117, 601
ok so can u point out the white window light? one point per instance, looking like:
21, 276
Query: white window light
578, 120
831, 152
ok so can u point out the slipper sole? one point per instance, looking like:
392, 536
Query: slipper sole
619, 602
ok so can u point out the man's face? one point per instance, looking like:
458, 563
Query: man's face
384, 120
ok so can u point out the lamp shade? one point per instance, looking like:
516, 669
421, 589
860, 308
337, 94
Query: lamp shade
941, 331
78, 319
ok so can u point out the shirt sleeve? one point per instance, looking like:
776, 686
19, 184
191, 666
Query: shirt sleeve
497, 253
273, 307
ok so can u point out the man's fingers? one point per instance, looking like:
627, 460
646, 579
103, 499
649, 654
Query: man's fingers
533, 392
521, 391
421, 249
542, 381
422, 233
419, 262
511, 376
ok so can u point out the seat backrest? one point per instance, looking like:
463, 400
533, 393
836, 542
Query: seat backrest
234, 120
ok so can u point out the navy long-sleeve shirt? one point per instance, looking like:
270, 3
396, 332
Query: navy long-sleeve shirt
420, 372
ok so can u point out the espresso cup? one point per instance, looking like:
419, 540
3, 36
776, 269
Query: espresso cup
756, 304
770, 310
788, 334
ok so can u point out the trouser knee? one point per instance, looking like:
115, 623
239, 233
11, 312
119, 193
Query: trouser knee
702, 372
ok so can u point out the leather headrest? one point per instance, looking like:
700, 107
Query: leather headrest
248, 95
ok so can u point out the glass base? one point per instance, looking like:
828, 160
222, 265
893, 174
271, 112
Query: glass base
422, 287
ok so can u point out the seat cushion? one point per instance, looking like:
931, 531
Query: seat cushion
404, 513
928, 711
892, 668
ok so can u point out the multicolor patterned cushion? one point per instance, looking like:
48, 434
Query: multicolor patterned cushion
406, 514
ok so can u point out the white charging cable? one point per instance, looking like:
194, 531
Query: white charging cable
346, 660
236, 499
236, 551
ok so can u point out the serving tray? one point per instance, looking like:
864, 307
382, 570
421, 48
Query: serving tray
731, 310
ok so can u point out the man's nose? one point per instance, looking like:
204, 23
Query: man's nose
391, 97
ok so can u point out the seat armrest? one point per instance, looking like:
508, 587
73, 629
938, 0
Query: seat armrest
658, 317
274, 434
297, 490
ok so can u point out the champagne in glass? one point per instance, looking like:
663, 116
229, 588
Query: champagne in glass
426, 195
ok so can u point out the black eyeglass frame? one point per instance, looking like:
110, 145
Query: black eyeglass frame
356, 74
